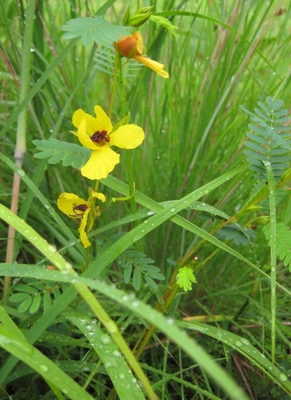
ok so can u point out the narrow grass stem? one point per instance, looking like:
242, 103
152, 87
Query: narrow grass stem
20, 147
113, 90
271, 187
128, 153
146, 334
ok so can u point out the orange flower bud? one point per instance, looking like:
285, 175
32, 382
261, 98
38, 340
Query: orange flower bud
132, 47
127, 47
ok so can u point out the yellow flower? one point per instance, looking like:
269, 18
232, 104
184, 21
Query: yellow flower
132, 47
76, 207
96, 134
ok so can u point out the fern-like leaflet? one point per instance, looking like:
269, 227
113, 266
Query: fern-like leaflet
137, 267
70, 154
94, 29
105, 62
31, 295
269, 140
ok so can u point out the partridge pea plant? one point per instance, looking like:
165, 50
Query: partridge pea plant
145, 200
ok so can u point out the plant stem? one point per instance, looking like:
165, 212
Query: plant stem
20, 147
168, 297
128, 153
116, 67
271, 187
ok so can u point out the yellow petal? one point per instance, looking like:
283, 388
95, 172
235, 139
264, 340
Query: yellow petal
84, 137
82, 229
100, 163
67, 201
154, 65
103, 121
127, 136
99, 196
92, 124
77, 117
139, 44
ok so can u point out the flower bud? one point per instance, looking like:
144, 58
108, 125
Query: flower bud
139, 17
129, 46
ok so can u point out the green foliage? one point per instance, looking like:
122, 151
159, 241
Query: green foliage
105, 62
239, 235
165, 23
70, 154
137, 267
264, 204
283, 242
94, 29
185, 278
32, 294
236, 232
269, 139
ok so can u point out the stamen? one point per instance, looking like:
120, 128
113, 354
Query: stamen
100, 137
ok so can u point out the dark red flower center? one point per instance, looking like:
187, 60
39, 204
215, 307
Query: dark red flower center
100, 137
79, 209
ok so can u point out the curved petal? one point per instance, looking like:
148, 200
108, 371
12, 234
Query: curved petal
92, 124
77, 117
67, 201
82, 229
127, 136
100, 163
139, 44
154, 65
99, 196
103, 121
84, 137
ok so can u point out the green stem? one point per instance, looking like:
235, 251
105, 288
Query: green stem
116, 68
271, 187
20, 147
128, 153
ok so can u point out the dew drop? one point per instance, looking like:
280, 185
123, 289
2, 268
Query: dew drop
105, 339
43, 368
283, 377
20, 172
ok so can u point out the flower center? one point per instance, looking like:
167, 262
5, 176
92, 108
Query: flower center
100, 137
79, 209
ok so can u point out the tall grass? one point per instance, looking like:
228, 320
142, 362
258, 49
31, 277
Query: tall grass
85, 331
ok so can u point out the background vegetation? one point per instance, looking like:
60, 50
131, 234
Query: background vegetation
229, 336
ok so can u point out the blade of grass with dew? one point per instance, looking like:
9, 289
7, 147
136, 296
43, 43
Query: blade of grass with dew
152, 316
51, 253
23, 350
121, 376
